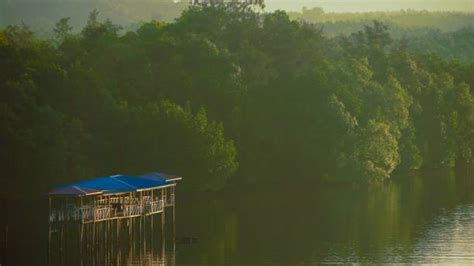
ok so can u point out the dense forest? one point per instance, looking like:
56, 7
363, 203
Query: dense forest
226, 95
447, 34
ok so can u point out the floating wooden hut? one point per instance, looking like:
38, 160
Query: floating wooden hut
96, 207
112, 197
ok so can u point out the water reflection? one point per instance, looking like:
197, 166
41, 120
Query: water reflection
135, 241
449, 238
415, 219
308, 224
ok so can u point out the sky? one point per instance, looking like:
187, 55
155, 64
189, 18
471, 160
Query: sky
372, 5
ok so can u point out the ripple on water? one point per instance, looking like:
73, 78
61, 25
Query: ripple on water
448, 239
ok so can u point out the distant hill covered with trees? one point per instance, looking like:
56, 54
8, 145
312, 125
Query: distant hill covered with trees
347, 23
41, 15
447, 34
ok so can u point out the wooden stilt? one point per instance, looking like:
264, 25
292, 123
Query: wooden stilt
174, 225
61, 245
152, 231
106, 236
48, 256
93, 235
81, 239
163, 237
163, 198
118, 232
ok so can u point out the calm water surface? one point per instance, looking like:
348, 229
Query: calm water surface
416, 219
426, 219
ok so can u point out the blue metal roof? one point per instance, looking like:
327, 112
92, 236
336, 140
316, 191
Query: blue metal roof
73, 190
158, 176
108, 184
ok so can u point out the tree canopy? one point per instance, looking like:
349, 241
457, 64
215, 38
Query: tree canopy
228, 95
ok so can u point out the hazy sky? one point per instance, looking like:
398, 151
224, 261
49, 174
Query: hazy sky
371, 5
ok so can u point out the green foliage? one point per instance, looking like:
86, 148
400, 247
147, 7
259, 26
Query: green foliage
62, 117
62, 29
293, 103
168, 137
374, 154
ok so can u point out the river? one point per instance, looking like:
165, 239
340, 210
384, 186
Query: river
414, 219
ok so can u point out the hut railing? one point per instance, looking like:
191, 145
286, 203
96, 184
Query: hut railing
55, 216
101, 202
115, 210
102, 213
71, 215
154, 207
170, 200
147, 199
120, 200
132, 210
86, 214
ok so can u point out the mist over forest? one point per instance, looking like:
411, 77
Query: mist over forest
372, 5
42, 14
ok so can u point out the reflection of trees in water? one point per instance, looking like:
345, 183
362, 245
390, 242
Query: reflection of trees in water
413, 219
215, 225
307, 223
383, 224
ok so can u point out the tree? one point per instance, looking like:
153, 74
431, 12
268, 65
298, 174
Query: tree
62, 29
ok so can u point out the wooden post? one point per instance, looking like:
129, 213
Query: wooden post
163, 239
144, 235
129, 229
93, 235
61, 245
141, 215
48, 256
81, 237
81, 242
6, 242
133, 234
151, 217
106, 237
81, 229
174, 219
163, 236
129, 234
118, 232
151, 231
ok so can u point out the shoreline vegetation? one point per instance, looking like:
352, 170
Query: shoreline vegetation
226, 96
